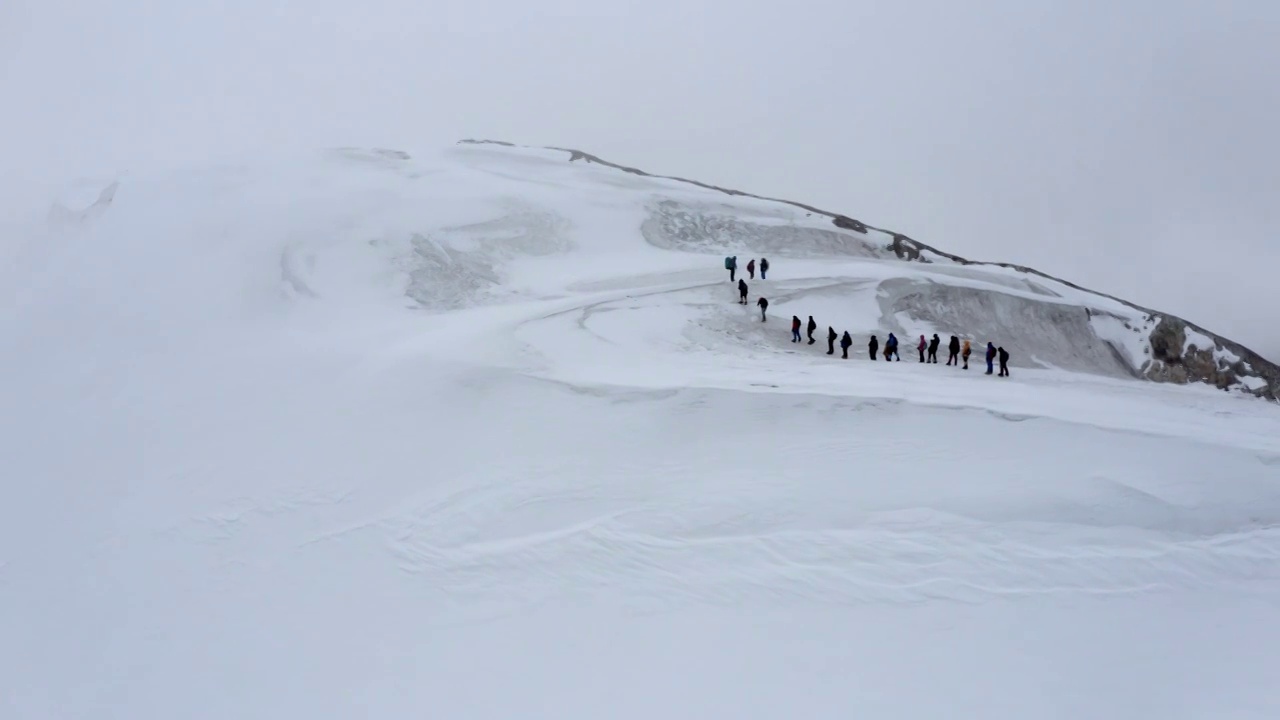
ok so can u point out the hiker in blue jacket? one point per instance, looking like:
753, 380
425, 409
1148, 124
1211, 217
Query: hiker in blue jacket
991, 357
891, 348
731, 264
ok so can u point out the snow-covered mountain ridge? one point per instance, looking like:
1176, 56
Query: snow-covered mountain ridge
1152, 344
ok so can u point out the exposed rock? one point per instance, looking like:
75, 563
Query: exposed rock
849, 223
1225, 365
905, 248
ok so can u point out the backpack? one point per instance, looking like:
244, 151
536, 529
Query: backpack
728, 263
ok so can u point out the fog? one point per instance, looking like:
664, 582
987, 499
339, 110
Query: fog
1130, 147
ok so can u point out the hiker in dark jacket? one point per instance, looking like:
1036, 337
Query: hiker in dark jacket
764, 268
991, 357
764, 305
810, 328
751, 268
731, 264
795, 328
742, 292
845, 342
874, 347
831, 341
953, 350
933, 348
1004, 362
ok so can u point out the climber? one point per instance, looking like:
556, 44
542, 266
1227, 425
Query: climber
764, 305
764, 268
991, 357
845, 342
965, 353
731, 264
953, 351
795, 328
933, 348
891, 348
751, 268
810, 328
742, 292
831, 341
921, 348
1004, 362
874, 347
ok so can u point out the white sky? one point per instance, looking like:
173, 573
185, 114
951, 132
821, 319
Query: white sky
1128, 146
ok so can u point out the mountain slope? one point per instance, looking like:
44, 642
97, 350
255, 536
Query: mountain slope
483, 433
1153, 345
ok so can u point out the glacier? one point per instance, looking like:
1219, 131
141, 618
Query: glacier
483, 433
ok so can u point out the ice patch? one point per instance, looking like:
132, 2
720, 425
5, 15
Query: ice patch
683, 225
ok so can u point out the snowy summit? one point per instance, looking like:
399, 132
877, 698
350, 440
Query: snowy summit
495, 434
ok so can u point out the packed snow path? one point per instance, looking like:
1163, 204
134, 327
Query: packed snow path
380, 439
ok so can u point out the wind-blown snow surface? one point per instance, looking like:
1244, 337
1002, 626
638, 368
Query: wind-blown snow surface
374, 437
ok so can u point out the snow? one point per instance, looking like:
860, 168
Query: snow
1129, 335
361, 435
1225, 357
1253, 383
1198, 341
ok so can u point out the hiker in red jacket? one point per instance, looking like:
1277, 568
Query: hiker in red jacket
795, 328
751, 268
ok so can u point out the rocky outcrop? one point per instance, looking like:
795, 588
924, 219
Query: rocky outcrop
1226, 365
1182, 353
